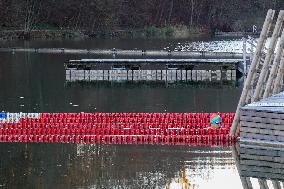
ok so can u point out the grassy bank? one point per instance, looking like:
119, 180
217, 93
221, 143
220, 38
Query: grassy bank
175, 32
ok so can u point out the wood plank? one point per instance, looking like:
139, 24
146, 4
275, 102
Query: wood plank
264, 109
262, 151
194, 75
262, 114
183, 73
246, 183
189, 75
262, 163
247, 173
262, 137
274, 68
266, 131
273, 144
262, 120
263, 184
262, 125
261, 169
263, 158
276, 184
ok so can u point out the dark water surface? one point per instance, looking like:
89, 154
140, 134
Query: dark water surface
36, 83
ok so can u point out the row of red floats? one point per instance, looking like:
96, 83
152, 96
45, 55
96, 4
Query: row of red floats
122, 120
133, 115
109, 125
166, 132
117, 128
120, 139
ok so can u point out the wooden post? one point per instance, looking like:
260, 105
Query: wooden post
276, 184
279, 77
262, 48
273, 71
245, 55
267, 61
244, 180
254, 63
263, 184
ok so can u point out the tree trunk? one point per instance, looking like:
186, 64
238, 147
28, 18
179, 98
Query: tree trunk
192, 13
170, 11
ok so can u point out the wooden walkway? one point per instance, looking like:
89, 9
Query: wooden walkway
261, 163
155, 64
121, 52
152, 69
262, 122
150, 75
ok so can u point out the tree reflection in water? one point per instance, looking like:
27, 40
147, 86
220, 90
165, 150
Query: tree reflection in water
106, 166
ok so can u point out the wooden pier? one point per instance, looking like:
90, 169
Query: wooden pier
261, 163
123, 52
152, 69
150, 75
262, 121
260, 110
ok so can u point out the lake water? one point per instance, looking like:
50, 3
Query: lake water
36, 83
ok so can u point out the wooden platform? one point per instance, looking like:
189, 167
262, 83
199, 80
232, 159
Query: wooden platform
152, 64
122, 52
150, 75
262, 122
262, 163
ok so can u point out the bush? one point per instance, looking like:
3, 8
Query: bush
168, 31
152, 31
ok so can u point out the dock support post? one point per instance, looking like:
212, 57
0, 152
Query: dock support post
252, 71
276, 184
245, 55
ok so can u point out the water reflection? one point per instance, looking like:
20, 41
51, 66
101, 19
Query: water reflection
113, 166
40, 79
36, 83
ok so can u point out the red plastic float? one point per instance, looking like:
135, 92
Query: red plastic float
115, 128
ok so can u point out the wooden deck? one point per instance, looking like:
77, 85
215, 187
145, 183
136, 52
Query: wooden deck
261, 163
150, 75
152, 64
122, 52
262, 122
152, 70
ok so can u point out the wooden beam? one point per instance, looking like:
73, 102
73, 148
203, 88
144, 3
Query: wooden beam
273, 72
263, 184
279, 77
276, 184
271, 49
262, 125
262, 137
266, 131
253, 67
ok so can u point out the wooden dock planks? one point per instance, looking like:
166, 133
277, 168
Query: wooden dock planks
149, 75
262, 163
263, 121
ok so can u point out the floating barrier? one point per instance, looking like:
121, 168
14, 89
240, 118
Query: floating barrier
115, 128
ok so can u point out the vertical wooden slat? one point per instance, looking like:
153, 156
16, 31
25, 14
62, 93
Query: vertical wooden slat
245, 55
273, 71
255, 61
276, 184
258, 57
279, 77
268, 58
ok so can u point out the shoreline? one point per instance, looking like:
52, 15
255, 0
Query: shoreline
180, 32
